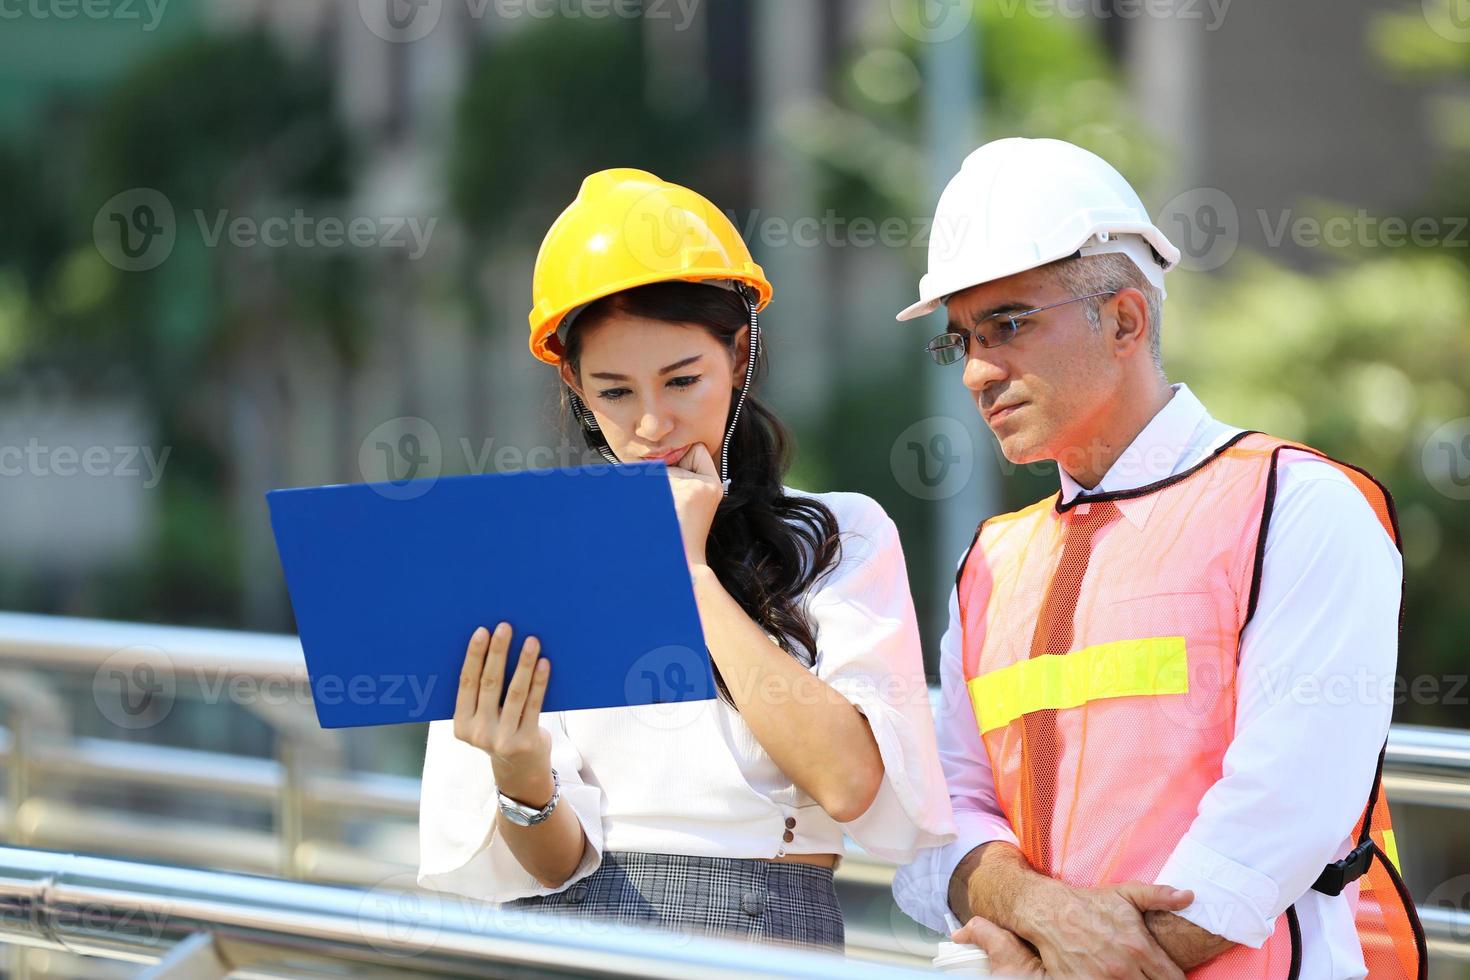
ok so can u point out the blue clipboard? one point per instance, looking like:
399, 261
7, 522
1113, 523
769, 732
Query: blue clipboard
389, 580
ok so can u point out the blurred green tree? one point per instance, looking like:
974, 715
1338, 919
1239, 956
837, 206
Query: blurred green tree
215, 123
541, 108
1363, 363
1368, 359
1039, 77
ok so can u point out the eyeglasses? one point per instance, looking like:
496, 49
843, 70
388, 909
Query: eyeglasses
995, 330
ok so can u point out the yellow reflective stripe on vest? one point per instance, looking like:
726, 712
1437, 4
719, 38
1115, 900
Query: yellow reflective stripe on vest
1391, 849
1125, 668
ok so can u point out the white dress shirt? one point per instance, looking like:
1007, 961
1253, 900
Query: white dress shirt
690, 778
1314, 699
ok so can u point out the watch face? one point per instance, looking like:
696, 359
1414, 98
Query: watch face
525, 816
515, 816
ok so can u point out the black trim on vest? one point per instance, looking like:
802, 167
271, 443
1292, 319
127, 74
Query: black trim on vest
1411, 911
1373, 793
1393, 511
1393, 520
1143, 491
959, 573
1268, 506
1295, 928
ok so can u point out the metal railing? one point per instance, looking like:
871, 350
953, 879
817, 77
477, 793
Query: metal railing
304, 787
207, 925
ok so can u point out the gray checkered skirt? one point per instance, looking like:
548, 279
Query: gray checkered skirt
765, 901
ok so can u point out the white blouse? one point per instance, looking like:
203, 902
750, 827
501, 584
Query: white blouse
690, 778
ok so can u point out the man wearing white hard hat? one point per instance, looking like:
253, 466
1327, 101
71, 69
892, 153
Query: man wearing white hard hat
1159, 763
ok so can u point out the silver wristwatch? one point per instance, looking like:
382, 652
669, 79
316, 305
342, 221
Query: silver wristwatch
527, 816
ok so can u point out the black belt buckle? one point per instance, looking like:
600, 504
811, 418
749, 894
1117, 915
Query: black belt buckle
1337, 875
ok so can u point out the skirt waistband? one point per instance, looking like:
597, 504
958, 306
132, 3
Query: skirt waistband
649, 860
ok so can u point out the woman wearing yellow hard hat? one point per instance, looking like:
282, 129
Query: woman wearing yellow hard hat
722, 816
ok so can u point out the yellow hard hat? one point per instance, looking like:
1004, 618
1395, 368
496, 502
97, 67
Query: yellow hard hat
629, 228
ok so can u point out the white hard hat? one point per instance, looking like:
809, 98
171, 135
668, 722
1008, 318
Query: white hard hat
1017, 204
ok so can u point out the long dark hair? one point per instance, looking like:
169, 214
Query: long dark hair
767, 548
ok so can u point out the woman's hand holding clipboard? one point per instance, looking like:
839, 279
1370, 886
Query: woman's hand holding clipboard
510, 733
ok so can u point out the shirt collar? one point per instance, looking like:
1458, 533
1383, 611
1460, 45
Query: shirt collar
1166, 446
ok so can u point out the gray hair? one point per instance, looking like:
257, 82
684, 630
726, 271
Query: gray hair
1086, 274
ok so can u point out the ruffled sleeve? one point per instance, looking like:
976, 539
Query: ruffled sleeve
459, 850
868, 651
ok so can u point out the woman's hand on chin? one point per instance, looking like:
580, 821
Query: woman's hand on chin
697, 494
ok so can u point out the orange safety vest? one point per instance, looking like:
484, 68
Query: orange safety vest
1101, 640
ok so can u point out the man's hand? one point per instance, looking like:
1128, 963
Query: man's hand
1186, 943
1089, 933
1009, 955
1076, 932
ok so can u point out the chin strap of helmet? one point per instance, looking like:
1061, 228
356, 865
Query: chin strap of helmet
755, 332
589, 422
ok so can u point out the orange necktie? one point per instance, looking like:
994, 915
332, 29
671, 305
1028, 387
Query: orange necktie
1040, 744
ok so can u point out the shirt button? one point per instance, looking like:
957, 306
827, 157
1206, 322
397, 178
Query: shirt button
790, 822
576, 894
752, 903
788, 837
